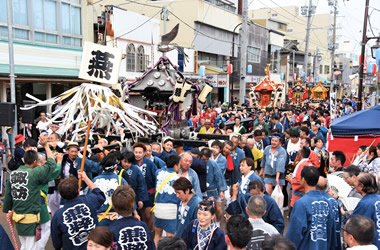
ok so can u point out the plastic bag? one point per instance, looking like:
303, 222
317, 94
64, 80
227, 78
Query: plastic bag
278, 196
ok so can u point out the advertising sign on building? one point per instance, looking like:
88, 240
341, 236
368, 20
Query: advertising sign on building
213, 79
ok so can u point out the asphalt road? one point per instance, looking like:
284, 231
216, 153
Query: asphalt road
49, 245
5, 225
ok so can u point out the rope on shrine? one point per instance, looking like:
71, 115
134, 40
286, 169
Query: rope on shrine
10, 225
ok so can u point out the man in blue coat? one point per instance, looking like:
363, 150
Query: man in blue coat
148, 170
188, 206
273, 164
72, 163
369, 205
322, 186
236, 155
312, 223
273, 214
71, 224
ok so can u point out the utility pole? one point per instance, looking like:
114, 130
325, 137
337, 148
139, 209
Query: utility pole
294, 64
361, 68
243, 51
316, 65
165, 17
11, 67
232, 61
333, 50
309, 13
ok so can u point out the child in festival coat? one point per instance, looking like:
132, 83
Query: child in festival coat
167, 149
128, 232
108, 181
71, 224
135, 177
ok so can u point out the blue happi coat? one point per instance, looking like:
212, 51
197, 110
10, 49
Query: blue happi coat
189, 214
148, 169
215, 180
244, 186
190, 237
90, 167
6, 243
312, 223
167, 193
193, 178
129, 233
337, 217
235, 174
107, 182
273, 214
279, 162
71, 224
137, 182
163, 155
369, 206
160, 164
222, 163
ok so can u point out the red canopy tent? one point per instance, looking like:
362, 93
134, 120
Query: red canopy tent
352, 131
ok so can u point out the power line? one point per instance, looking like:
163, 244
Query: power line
286, 16
139, 26
287, 11
199, 32
143, 4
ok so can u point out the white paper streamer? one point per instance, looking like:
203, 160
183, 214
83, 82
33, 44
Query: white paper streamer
97, 103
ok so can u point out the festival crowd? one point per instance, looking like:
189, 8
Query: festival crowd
234, 193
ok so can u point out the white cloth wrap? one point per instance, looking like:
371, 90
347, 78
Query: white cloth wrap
166, 211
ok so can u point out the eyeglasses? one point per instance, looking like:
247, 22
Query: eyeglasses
343, 229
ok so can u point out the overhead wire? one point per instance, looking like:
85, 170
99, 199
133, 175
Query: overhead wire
137, 27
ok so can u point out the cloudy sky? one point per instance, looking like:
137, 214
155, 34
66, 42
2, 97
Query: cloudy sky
350, 17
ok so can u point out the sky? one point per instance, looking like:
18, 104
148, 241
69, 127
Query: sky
350, 17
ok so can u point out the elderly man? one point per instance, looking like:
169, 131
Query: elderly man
256, 210
190, 174
369, 205
359, 233
273, 164
322, 186
256, 153
350, 173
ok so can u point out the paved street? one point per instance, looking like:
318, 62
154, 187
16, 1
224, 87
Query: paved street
4, 224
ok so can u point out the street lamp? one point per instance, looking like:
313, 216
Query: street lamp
375, 47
